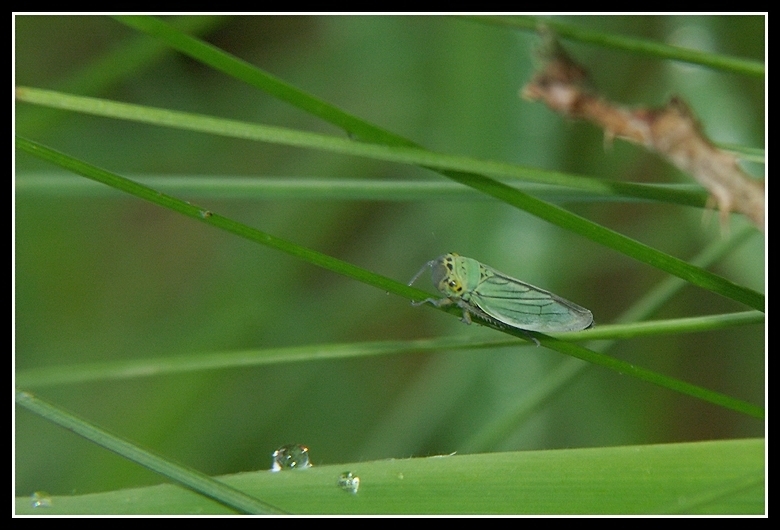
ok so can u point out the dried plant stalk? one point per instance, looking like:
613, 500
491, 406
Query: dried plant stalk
671, 131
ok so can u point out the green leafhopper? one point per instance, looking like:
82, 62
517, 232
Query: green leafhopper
493, 296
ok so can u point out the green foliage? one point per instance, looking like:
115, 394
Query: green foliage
123, 308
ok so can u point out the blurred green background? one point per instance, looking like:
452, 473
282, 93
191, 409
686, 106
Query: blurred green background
110, 277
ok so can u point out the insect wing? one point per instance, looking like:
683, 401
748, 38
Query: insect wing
524, 306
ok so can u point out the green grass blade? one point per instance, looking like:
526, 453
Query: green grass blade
266, 82
671, 383
190, 210
673, 326
721, 477
310, 188
658, 50
134, 368
101, 371
115, 67
696, 196
190, 478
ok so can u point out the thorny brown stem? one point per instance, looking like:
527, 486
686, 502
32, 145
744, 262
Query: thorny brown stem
671, 131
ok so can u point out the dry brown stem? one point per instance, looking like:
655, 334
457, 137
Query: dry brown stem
671, 131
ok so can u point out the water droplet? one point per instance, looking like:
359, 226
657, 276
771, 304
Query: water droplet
291, 456
349, 482
40, 499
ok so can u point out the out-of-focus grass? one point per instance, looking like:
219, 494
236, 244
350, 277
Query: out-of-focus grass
113, 278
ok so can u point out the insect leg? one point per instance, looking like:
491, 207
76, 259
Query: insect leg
438, 302
530, 337
466, 312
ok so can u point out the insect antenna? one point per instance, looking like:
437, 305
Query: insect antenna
422, 269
